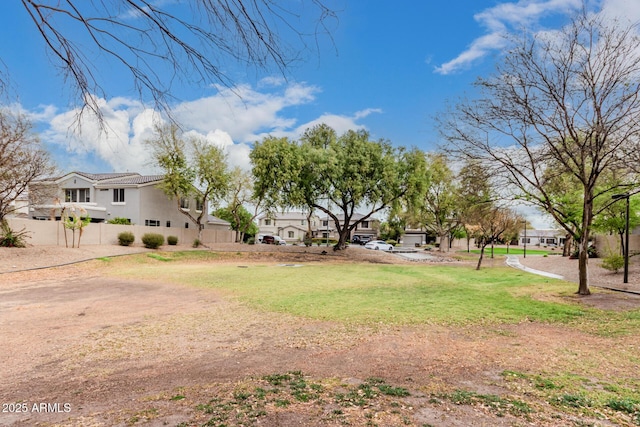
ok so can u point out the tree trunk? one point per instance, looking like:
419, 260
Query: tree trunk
566, 249
442, 243
342, 239
481, 256
583, 268
583, 255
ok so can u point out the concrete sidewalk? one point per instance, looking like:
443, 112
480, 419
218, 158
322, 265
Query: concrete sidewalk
513, 261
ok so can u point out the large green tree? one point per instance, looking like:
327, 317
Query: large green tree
240, 195
570, 101
439, 208
337, 175
193, 169
240, 219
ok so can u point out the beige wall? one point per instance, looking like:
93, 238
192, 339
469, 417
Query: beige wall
52, 233
604, 244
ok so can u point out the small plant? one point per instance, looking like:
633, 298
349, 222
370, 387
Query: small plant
197, 243
613, 262
152, 240
172, 240
119, 220
251, 241
392, 242
126, 238
10, 238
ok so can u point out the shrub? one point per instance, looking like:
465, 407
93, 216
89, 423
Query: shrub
392, 242
119, 220
10, 238
126, 238
152, 240
172, 240
613, 262
251, 241
197, 243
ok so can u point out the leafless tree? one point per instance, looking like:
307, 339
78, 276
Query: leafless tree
195, 39
490, 223
560, 103
22, 159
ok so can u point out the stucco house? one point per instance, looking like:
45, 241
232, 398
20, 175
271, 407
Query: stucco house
542, 237
368, 228
291, 226
114, 195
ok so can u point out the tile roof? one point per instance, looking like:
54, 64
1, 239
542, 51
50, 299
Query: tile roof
136, 180
104, 176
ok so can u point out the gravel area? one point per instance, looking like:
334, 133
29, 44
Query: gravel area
598, 276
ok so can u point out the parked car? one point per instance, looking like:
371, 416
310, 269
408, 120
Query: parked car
360, 240
378, 245
273, 240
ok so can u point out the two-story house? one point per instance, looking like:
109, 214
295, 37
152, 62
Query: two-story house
291, 226
115, 195
369, 228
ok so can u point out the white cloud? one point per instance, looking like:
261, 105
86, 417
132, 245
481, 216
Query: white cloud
233, 119
500, 20
623, 10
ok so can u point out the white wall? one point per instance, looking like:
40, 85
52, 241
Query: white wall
52, 233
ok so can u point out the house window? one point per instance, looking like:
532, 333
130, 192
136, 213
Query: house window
199, 205
118, 195
184, 203
527, 240
290, 234
551, 241
267, 222
186, 225
77, 195
152, 222
365, 224
303, 222
325, 235
168, 223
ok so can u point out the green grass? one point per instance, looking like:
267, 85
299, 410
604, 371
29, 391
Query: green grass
391, 294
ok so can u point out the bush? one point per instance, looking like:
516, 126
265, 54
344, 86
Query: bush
251, 241
10, 238
126, 238
152, 240
119, 220
613, 262
197, 243
172, 240
392, 242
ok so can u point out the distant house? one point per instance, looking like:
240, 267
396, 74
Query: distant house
291, 226
542, 237
114, 195
368, 228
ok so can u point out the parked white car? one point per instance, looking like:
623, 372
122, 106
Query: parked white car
378, 245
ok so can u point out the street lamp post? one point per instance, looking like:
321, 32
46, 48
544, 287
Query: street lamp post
626, 235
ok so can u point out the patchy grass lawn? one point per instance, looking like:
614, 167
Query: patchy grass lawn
387, 294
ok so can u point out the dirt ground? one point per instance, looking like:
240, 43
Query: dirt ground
80, 348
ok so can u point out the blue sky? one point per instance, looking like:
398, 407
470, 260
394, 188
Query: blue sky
390, 68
